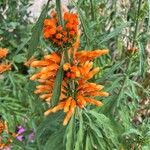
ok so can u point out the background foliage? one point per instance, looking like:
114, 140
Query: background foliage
122, 123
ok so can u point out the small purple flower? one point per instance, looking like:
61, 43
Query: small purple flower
20, 132
31, 136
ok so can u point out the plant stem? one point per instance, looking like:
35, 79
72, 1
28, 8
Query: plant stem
92, 10
58, 9
136, 22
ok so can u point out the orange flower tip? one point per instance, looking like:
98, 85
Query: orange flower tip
66, 110
97, 69
78, 74
42, 96
66, 120
81, 106
5, 67
100, 87
103, 51
58, 36
105, 94
106, 51
28, 62
65, 123
99, 103
49, 22
66, 66
52, 31
59, 28
32, 78
47, 112
73, 76
34, 63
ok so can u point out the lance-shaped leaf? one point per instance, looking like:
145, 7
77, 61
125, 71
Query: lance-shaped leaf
36, 31
57, 85
70, 135
114, 33
141, 59
80, 134
83, 22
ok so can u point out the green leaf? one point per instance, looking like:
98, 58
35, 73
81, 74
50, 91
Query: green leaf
133, 90
18, 143
55, 141
114, 33
88, 145
142, 59
19, 58
36, 31
110, 71
69, 135
132, 131
48, 126
22, 45
80, 134
83, 22
57, 86
103, 128
149, 14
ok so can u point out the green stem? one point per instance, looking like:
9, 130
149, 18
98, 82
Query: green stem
92, 10
66, 56
124, 82
59, 12
136, 22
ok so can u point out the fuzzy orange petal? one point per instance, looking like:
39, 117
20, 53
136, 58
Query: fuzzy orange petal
3, 52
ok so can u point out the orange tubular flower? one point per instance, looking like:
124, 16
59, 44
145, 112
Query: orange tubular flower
3, 52
4, 128
79, 72
76, 90
68, 105
46, 76
86, 92
54, 32
4, 67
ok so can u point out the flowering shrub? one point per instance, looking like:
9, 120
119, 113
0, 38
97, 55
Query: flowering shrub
77, 74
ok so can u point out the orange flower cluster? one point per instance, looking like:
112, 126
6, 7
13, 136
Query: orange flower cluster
4, 128
61, 35
46, 76
4, 145
83, 91
3, 52
4, 67
76, 89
